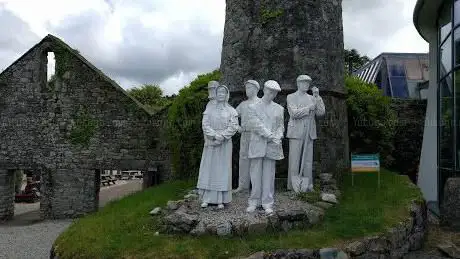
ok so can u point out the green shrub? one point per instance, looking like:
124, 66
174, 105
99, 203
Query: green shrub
371, 121
184, 126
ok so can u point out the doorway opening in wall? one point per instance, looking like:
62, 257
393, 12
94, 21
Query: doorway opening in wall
114, 184
51, 70
27, 195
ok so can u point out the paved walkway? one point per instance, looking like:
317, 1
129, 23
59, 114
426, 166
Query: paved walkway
27, 237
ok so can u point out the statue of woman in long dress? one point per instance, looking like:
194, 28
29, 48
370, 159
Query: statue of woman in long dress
220, 123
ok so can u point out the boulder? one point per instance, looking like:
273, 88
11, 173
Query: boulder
416, 241
323, 205
199, 230
224, 229
450, 250
329, 197
174, 205
450, 206
356, 248
155, 211
181, 222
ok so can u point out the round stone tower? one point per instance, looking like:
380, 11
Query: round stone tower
279, 40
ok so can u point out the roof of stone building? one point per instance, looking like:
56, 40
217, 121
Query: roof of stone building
74, 52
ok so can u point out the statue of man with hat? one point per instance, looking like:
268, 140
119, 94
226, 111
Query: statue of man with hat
252, 87
266, 123
301, 131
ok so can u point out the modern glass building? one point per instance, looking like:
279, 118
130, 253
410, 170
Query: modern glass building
438, 22
398, 75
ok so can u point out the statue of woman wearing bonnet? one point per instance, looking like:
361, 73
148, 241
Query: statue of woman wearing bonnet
220, 123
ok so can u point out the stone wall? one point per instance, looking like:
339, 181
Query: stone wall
6, 194
409, 135
82, 123
280, 40
450, 205
406, 236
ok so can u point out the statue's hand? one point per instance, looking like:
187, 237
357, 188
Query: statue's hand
276, 141
219, 138
315, 91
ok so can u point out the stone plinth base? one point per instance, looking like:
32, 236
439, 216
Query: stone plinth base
186, 216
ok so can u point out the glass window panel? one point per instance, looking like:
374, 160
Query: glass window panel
396, 67
457, 110
456, 13
457, 46
387, 87
413, 69
446, 124
445, 20
412, 87
399, 87
446, 57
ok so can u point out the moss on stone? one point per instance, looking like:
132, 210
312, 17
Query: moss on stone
268, 15
84, 129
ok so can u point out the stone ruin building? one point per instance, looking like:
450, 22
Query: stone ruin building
70, 130
279, 40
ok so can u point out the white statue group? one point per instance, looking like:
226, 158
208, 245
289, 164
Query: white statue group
261, 129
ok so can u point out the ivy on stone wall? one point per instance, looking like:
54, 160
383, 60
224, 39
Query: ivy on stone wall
63, 59
84, 128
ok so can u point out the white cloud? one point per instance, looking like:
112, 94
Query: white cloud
170, 42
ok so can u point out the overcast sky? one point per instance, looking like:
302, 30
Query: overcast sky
169, 42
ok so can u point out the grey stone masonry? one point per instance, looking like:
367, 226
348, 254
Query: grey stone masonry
68, 129
6, 194
279, 40
450, 206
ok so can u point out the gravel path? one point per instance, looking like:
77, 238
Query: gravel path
25, 237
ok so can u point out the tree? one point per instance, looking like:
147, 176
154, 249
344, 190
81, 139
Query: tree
353, 60
149, 95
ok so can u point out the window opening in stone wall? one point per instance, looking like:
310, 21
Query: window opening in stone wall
51, 69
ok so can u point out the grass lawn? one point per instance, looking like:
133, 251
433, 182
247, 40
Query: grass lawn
124, 228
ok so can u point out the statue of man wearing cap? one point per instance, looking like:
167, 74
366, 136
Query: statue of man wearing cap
252, 88
301, 131
266, 123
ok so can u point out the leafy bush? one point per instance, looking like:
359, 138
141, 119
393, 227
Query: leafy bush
371, 122
184, 126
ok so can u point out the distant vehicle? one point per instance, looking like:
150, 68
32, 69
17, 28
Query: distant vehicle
131, 174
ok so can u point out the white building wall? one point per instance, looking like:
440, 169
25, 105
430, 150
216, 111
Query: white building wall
428, 176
